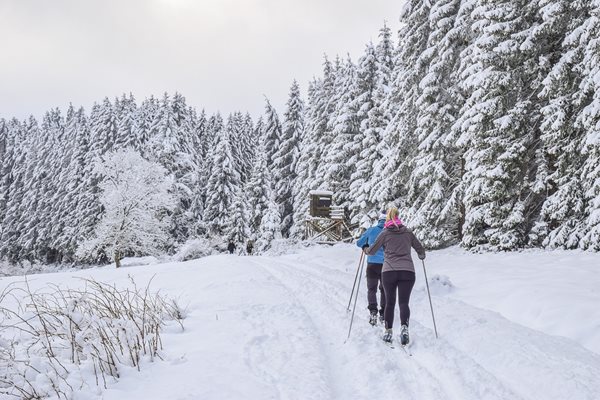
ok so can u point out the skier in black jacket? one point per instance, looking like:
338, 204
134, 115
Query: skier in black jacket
231, 247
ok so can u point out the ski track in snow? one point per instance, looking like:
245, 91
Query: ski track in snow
274, 354
449, 373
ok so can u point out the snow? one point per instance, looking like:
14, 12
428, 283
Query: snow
320, 193
550, 291
512, 326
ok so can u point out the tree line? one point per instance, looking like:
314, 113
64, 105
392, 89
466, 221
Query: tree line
480, 122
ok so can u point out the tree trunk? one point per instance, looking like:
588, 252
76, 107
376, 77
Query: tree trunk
461, 209
117, 259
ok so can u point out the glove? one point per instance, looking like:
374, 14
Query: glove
366, 246
422, 256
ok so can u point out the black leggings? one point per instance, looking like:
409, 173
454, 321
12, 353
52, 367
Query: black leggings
403, 281
374, 280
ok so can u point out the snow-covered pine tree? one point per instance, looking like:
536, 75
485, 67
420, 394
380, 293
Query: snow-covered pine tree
391, 171
82, 208
7, 148
365, 142
3, 138
433, 213
103, 127
44, 165
559, 155
19, 229
311, 168
6, 162
384, 52
199, 138
126, 117
498, 126
223, 183
272, 131
199, 135
137, 199
238, 139
14, 187
247, 145
304, 167
91, 146
63, 196
589, 119
172, 146
257, 189
339, 161
238, 229
380, 114
214, 126
319, 110
322, 114
286, 157
270, 224
142, 124
258, 133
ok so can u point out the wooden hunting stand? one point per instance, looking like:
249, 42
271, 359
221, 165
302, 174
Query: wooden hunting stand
326, 223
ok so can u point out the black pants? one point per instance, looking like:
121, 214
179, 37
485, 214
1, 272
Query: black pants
403, 282
373, 281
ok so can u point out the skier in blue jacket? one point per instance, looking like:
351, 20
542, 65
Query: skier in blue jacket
374, 266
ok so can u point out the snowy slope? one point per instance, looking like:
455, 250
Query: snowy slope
274, 328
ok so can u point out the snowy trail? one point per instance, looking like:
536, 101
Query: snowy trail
482, 352
280, 334
447, 374
245, 339
274, 327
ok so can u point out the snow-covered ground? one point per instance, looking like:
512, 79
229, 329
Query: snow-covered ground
512, 326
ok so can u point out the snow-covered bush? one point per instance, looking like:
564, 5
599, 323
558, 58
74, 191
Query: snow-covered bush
29, 268
284, 246
440, 284
194, 248
147, 260
54, 342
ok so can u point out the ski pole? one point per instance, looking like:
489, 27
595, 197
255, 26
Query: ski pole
356, 296
362, 254
430, 304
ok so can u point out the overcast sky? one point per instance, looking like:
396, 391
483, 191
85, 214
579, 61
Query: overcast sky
220, 54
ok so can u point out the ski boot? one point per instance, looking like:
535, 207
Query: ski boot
404, 339
381, 319
388, 336
373, 319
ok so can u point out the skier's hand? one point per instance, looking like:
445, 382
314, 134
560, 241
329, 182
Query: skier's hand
422, 256
365, 248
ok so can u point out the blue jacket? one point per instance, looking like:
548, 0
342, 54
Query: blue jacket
368, 238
